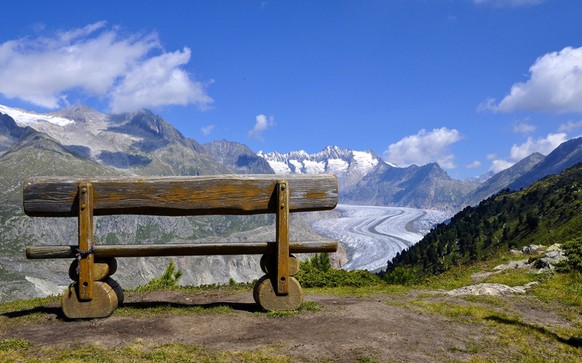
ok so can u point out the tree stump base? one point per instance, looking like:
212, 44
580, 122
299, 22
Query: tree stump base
102, 305
264, 295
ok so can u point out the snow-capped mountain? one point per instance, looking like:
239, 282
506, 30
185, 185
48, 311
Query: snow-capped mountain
350, 166
139, 143
365, 178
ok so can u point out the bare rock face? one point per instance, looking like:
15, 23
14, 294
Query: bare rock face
490, 289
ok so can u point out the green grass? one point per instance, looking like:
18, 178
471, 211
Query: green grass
158, 309
380, 288
22, 351
306, 306
516, 277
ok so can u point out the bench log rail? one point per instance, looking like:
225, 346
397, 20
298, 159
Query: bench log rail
95, 294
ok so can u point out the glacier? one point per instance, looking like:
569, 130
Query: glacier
373, 235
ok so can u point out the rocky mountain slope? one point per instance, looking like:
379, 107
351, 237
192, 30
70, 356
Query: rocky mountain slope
503, 179
238, 157
427, 186
564, 156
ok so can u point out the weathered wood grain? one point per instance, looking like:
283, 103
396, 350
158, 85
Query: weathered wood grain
196, 195
85, 225
282, 236
265, 295
207, 249
102, 269
102, 305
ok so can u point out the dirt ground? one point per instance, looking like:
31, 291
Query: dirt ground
345, 329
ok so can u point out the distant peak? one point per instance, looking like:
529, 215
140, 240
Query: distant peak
79, 113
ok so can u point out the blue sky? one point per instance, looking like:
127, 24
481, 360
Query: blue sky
475, 85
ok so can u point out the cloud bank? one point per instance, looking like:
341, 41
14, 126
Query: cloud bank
423, 148
554, 85
129, 71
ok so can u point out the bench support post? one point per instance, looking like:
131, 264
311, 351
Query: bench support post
85, 252
282, 236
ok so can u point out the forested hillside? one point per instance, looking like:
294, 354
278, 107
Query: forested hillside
548, 212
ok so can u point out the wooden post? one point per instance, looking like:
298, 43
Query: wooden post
85, 252
282, 236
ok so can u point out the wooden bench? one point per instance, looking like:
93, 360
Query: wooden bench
95, 294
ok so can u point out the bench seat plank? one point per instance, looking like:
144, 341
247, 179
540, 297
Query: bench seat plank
180, 196
242, 248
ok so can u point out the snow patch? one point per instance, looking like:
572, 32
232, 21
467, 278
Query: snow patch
365, 161
337, 166
24, 118
314, 167
279, 167
297, 165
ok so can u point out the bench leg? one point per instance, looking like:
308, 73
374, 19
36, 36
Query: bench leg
102, 305
102, 269
264, 292
264, 295
106, 299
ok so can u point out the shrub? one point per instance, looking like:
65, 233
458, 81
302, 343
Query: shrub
317, 272
168, 280
572, 250
401, 276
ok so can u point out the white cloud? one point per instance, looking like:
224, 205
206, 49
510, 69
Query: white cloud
570, 126
498, 165
423, 148
474, 165
207, 130
541, 145
508, 3
158, 81
523, 128
99, 62
488, 105
555, 85
262, 123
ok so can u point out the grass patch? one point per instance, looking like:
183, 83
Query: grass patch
509, 338
32, 304
306, 306
466, 313
565, 288
515, 277
22, 351
495, 301
361, 291
154, 309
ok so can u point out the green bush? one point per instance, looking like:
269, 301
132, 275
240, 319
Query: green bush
317, 272
401, 276
572, 250
168, 280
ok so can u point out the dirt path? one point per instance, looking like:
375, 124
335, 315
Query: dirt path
345, 328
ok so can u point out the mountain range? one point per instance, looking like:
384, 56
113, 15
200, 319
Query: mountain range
79, 141
142, 143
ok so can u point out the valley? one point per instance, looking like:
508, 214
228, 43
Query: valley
373, 235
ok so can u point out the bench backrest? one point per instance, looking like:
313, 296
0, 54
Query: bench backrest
179, 196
